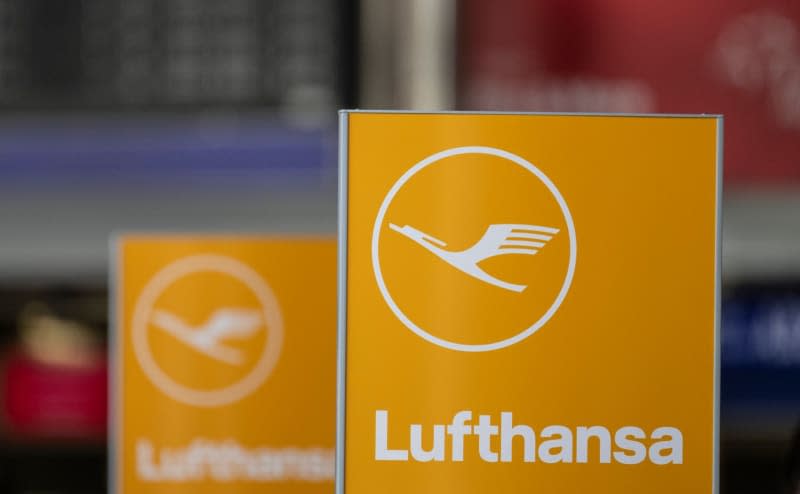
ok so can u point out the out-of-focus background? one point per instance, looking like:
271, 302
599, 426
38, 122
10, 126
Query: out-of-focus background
207, 115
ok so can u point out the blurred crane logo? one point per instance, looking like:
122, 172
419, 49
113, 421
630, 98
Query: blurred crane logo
208, 339
473, 295
207, 330
497, 241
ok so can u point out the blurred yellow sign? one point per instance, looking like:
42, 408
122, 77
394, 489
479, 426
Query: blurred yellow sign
529, 303
224, 368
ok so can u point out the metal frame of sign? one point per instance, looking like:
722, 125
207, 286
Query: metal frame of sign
341, 303
114, 366
341, 380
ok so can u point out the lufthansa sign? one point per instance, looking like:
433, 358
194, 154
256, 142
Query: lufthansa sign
224, 353
528, 302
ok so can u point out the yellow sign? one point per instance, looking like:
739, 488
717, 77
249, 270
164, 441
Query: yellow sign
224, 368
528, 303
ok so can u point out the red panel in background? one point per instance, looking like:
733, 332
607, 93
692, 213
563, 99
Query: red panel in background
734, 57
53, 402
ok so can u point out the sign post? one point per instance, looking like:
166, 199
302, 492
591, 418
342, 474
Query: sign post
528, 302
224, 361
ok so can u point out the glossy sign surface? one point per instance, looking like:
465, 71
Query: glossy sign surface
530, 303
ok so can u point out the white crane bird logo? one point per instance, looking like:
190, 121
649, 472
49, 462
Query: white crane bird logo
500, 239
225, 323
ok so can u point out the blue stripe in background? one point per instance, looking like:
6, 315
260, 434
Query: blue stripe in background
116, 152
761, 347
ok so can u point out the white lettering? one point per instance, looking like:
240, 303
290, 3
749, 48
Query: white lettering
485, 430
457, 430
508, 431
637, 449
228, 461
556, 444
436, 452
382, 451
144, 461
674, 445
582, 447
563, 443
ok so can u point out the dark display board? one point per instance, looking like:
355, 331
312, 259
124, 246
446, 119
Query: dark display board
294, 55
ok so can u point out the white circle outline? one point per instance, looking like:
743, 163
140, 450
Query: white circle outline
269, 307
462, 347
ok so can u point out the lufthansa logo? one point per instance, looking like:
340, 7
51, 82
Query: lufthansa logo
207, 330
474, 249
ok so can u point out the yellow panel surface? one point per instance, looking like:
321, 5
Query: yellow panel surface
225, 364
550, 271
